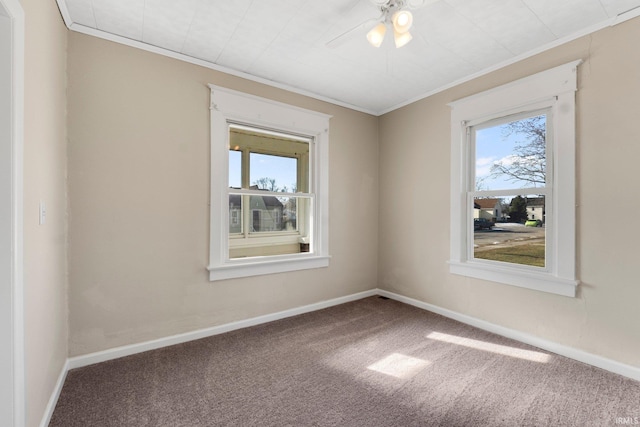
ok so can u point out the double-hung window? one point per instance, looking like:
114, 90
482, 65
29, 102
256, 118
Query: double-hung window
269, 197
269, 186
513, 183
508, 167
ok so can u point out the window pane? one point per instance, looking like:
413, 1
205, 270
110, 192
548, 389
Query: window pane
511, 155
277, 162
271, 213
289, 213
235, 169
275, 226
266, 214
235, 214
510, 229
273, 173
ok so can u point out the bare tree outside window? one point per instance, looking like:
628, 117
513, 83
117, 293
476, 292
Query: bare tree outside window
528, 163
266, 183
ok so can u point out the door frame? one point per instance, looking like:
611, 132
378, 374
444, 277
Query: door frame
11, 199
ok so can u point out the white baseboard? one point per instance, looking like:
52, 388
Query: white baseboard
53, 400
629, 371
114, 353
127, 350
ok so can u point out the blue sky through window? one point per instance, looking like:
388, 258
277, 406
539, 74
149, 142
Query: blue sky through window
495, 144
282, 169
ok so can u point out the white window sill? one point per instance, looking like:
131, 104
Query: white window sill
539, 281
255, 266
257, 240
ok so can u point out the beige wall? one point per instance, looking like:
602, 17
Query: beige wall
44, 180
138, 170
139, 193
415, 156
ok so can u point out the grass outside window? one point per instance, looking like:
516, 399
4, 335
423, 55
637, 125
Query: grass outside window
528, 254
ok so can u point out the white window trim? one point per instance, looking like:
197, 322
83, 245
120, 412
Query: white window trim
554, 88
229, 106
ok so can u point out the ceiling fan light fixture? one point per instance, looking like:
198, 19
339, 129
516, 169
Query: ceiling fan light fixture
402, 21
401, 39
376, 35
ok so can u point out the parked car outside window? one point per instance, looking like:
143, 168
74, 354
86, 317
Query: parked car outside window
482, 224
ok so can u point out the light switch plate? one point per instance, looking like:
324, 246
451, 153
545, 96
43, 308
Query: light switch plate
43, 213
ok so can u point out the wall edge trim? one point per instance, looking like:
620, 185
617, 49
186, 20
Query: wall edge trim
55, 395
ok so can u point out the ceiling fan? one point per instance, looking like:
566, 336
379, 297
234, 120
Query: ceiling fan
395, 14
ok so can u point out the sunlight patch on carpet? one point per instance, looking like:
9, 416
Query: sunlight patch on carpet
399, 366
533, 356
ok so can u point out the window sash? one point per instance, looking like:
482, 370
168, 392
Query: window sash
302, 220
549, 227
546, 190
471, 129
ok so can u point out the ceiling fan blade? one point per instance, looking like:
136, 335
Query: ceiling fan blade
411, 4
417, 4
368, 24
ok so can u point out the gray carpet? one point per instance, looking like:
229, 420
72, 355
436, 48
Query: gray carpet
373, 362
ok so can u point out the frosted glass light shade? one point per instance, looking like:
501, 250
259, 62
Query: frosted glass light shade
376, 35
402, 21
402, 39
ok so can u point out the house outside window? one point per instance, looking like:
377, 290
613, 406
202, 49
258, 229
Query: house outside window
513, 148
488, 208
536, 208
269, 186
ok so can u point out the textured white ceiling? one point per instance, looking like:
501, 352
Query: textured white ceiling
283, 42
